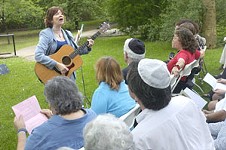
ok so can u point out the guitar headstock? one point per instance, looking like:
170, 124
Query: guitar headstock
104, 27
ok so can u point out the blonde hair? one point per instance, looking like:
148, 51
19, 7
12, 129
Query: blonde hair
108, 70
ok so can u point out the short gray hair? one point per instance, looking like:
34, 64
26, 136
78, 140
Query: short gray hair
63, 95
106, 132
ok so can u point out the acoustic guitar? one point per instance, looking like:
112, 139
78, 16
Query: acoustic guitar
68, 56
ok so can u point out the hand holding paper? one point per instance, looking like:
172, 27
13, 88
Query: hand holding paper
30, 110
213, 82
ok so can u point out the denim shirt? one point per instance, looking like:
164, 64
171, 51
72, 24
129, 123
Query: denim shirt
59, 132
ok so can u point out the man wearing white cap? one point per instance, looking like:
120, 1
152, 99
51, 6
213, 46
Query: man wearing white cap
134, 50
164, 123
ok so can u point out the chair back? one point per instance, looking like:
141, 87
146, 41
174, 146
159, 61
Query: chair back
174, 80
129, 117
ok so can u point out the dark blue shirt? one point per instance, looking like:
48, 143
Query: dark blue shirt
60, 44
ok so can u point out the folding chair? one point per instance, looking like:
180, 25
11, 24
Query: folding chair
185, 72
129, 117
203, 67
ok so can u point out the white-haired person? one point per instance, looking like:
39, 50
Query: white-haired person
218, 132
67, 119
223, 57
164, 123
134, 50
106, 132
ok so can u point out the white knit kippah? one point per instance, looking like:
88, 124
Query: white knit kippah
154, 73
129, 48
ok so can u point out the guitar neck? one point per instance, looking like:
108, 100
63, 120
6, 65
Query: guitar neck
93, 37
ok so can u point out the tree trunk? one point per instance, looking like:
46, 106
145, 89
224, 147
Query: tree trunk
2, 18
209, 23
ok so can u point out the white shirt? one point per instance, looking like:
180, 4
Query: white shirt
178, 126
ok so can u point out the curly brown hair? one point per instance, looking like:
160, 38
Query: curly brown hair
187, 39
49, 15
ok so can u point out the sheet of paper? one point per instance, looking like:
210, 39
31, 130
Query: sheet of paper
213, 82
199, 101
79, 34
30, 110
210, 80
220, 86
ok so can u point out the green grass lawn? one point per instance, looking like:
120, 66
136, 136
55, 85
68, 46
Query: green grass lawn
21, 82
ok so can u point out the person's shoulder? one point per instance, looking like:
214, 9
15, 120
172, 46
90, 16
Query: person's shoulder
183, 51
46, 30
68, 32
43, 128
90, 113
103, 86
181, 102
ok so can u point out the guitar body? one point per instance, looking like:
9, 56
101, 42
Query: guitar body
67, 56
63, 55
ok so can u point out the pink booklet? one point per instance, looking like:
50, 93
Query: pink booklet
30, 110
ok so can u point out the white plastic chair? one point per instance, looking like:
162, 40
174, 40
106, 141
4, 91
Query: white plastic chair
185, 72
129, 117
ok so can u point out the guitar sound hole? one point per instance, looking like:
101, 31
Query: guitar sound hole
66, 60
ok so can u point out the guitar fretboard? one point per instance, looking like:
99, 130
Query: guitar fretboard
76, 52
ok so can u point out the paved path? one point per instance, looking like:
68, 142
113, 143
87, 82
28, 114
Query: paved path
28, 52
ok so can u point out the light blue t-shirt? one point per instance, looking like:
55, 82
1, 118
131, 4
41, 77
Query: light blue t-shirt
106, 100
59, 132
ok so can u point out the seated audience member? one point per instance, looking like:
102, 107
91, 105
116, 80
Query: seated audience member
195, 30
112, 95
164, 123
218, 132
216, 95
223, 57
66, 121
134, 50
219, 112
106, 132
185, 42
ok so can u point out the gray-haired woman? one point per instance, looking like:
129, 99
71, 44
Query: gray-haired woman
66, 116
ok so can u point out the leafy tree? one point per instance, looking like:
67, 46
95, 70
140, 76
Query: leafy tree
221, 21
19, 14
131, 14
177, 10
75, 10
30, 13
